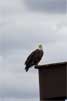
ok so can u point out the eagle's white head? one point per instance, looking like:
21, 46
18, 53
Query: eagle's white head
40, 46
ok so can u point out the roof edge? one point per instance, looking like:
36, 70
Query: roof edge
49, 65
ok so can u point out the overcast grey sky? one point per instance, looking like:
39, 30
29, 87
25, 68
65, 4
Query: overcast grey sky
23, 25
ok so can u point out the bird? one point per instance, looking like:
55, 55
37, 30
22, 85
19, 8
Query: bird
34, 58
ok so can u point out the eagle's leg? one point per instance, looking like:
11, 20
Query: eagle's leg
36, 65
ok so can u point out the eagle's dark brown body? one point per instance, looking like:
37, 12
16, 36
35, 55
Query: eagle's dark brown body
34, 58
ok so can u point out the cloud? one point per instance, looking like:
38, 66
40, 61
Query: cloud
38, 28
9, 7
13, 78
19, 99
15, 26
15, 85
56, 52
48, 6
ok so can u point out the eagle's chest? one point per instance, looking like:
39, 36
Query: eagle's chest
37, 58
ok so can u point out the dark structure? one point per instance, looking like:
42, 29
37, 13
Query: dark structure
53, 81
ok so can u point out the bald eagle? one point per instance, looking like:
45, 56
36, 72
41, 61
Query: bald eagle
34, 58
